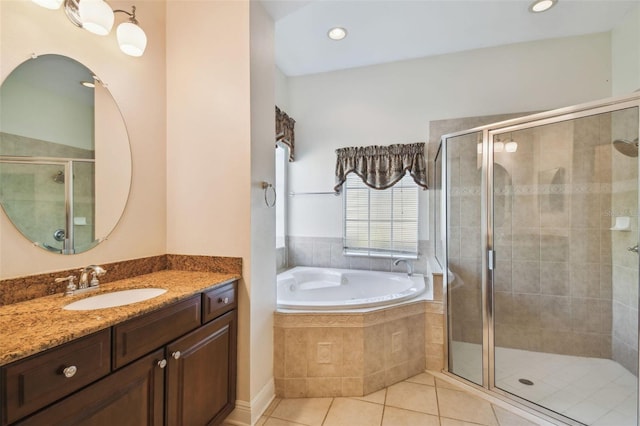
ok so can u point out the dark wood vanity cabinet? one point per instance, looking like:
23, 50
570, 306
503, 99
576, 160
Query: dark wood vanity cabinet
201, 371
173, 366
133, 395
35, 382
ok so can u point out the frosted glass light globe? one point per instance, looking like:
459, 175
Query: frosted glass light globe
96, 16
49, 4
131, 39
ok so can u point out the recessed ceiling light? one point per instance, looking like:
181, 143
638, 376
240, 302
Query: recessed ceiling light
542, 5
337, 33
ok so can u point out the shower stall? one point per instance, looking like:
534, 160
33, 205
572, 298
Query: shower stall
539, 238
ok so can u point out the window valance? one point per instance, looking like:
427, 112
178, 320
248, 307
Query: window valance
380, 167
284, 131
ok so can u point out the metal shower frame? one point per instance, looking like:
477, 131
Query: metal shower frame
487, 231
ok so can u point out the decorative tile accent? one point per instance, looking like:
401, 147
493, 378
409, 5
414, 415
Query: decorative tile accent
324, 353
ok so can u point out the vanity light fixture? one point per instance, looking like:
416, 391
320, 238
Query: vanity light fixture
49, 4
88, 84
337, 33
97, 17
542, 5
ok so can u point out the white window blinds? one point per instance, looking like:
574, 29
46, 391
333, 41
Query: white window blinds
381, 222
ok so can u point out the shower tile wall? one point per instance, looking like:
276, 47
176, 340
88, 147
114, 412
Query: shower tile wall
624, 262
327, 253
553, 286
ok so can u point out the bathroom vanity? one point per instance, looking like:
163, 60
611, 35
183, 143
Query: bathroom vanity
174, 363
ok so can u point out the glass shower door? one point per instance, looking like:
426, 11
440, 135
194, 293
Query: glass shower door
463, 163
565, 281
34, 195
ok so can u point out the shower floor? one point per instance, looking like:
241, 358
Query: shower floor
594, 391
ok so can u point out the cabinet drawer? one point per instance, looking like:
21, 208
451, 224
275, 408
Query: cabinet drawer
218, 301
32, 383
133, 395
139, 336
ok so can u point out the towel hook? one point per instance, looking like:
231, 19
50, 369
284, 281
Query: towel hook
266, 186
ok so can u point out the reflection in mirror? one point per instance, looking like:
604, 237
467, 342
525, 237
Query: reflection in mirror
57, 121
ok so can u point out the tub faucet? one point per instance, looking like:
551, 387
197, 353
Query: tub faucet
406, 262
95, 271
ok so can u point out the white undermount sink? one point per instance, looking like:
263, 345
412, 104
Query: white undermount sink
115, 298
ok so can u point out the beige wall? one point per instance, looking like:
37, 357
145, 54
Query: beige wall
625, 54
137, 85
394, 103
219, 149
263, 219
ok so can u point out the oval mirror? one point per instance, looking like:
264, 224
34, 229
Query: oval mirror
65, 161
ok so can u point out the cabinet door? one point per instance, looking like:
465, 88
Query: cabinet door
132, 396
201, 374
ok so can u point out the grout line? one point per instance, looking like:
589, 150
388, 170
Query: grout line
324, 419
437, 401
287, 420
272, 407
493, 410
464, 421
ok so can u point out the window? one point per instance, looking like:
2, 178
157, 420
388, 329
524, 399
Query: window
282, 151
381, 223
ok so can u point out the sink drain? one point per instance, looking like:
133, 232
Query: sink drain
526, 382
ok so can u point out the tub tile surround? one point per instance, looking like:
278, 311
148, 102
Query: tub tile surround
15, 290
327, 252
337, 354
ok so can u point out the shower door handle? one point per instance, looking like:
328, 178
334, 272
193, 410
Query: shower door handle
491, 259
633, 249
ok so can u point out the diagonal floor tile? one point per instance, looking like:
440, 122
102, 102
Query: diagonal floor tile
412, 396
350, 412
463, 406
277, 422
375, 397
398, 417
423, 379
453, 422
307, 411
507, 418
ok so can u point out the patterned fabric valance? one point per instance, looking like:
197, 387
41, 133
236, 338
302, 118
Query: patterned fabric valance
381, 167
284, 130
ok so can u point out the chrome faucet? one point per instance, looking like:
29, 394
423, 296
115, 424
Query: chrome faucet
406, 262
96, 271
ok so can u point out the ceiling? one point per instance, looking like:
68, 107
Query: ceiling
393, 30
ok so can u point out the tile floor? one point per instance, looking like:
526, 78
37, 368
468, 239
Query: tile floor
594, 391
423, 400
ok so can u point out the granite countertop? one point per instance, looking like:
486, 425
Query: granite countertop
35, 325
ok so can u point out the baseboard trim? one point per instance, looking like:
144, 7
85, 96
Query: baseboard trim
248, 413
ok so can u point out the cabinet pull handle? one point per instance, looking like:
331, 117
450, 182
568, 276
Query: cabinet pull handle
162, 363
225, 300
176, 355
70, 371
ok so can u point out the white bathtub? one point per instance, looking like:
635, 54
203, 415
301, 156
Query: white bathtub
307, 288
